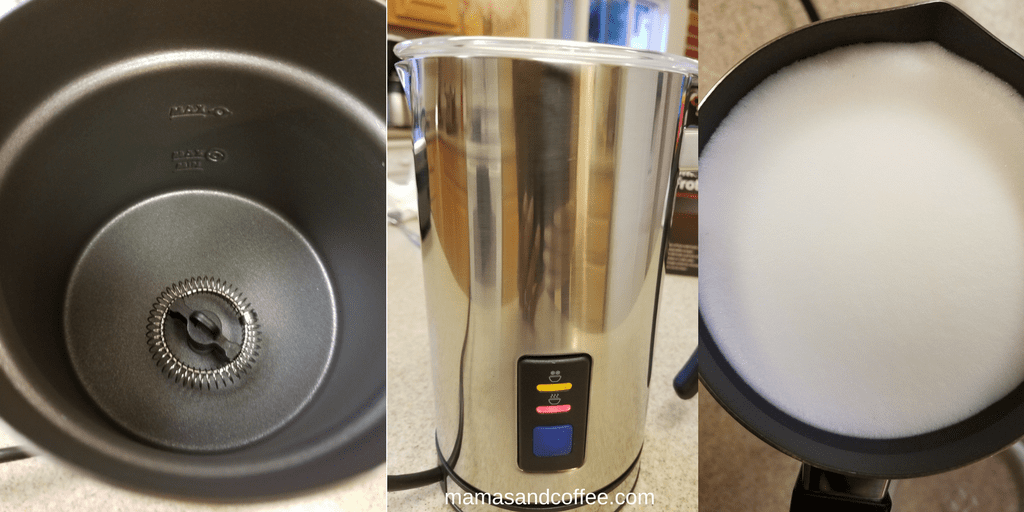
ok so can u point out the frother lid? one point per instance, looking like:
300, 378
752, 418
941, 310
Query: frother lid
552, 50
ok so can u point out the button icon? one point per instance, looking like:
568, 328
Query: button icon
552, 441
556, 375
554, 399
553, 409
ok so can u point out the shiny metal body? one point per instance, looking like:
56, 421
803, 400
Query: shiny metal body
844, 486
544, 189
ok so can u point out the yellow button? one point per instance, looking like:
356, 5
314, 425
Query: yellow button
547, 388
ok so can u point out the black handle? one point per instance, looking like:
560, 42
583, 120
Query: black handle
685, 382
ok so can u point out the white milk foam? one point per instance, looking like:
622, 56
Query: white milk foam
862, 239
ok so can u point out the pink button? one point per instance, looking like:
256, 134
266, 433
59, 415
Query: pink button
552, 409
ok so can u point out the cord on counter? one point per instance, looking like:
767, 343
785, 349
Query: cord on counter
414, 480
12, 454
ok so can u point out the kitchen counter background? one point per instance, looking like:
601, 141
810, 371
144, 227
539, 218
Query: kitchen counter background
669, 460
737, 470
42, 484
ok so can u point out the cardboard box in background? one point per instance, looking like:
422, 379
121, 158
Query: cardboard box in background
681, 252
691, 31
682, 240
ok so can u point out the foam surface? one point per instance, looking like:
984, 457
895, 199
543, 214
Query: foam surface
862, 250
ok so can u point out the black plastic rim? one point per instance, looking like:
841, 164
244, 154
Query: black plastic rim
988, 432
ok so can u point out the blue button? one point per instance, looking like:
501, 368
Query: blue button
552, 441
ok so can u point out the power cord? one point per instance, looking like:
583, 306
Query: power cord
685, 382
12, 454
414, 480
434, 475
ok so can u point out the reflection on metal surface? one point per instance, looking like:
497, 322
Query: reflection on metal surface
844, 486
544, 188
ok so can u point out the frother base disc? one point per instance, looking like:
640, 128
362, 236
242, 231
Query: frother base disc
256, 274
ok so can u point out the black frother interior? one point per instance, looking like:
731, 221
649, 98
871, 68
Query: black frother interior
191, 240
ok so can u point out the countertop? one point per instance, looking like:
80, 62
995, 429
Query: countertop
669, 459
739, 472
42, 483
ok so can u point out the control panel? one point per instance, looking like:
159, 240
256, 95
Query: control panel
554, 392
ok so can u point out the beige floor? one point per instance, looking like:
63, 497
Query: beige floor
43, 484
738, 472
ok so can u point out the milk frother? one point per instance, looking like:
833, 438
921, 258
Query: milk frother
191, 246
841, 470
544, 172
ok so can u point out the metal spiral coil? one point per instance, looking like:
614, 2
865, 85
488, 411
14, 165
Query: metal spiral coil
187, 375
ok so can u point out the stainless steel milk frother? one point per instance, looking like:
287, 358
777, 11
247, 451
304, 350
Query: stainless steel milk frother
544, 172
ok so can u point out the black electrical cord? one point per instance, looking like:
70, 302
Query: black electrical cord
414, 480
12, 454
685, 382
812, 13
435, 475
